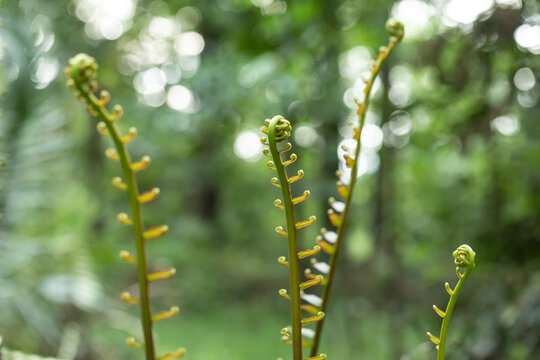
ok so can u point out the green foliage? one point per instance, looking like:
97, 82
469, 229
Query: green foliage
457, 161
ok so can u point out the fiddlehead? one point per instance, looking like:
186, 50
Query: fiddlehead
82, 74
278, 130
330, 240
464, 258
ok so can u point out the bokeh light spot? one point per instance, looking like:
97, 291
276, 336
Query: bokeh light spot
248, 146
372, 136
189, 44
180, 98
506, 124
524, 79
305, 136
528, 37
466, 11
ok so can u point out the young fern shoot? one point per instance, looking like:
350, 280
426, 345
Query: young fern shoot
82, 74
278, 131
330, 241
464, 258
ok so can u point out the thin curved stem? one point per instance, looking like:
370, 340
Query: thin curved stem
449, 310
362, 109
138, 230
294, 277
464, 257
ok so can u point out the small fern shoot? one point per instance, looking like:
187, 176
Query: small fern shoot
464, 258
82, 74
278, 130
330, 241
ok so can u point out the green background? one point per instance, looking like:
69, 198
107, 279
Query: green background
458, 162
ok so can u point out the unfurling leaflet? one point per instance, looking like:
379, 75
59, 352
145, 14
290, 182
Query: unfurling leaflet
278, 130
330, 242
82, 78
464, 258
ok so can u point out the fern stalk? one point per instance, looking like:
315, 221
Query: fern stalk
464, 257
396, 32
83, 74
294, 277
138, 230
278, 130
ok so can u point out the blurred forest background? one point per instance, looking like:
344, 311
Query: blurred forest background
450, 156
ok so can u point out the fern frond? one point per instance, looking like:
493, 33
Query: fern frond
167, 314
309, 252
148, 196
82, 78
318, 357
464, 258
127, 257
283, 260
311, 319
155, 232
338, 215
278, 130
126, 296
161, 275
173, 355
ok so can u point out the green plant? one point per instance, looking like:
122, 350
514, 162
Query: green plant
464, 258
329, 241
82, 74
278, 130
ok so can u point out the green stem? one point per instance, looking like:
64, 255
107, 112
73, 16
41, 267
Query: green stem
449, 310
138, 226
138, 230
294, 277
362, 110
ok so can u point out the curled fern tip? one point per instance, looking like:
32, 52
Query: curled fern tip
395, 28
283, 128
464, 256
82, 72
